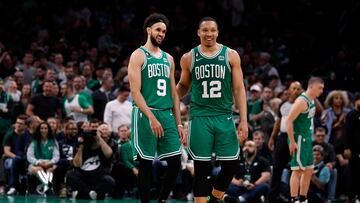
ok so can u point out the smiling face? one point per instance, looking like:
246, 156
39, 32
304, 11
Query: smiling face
156, 33
208, 33
44, 130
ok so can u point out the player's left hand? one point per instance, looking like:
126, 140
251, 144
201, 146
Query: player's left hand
242, 131
183, 135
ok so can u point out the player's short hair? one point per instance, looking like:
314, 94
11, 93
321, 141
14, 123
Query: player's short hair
314, 80
155, 18
207, 18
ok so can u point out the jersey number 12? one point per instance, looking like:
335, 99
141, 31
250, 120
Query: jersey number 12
215, 89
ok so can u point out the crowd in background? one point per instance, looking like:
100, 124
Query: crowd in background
63, 67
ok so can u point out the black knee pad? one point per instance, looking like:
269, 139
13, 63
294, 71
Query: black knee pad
227, 172
202, 185
174, 162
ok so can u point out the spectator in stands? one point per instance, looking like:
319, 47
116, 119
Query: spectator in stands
59, 67
254, 105
91, 177
102, 96
12, 89
265, 69
262, 148
25, 95
87, 72
27, 67
329, 159
251, 180
265, 117
334, 115
118, 111
79, 83
68, 148
43, 155
6, 104
19, 79
11, 162
44, 105
352, 138
320, 177
6, 65
69, 72
37, 83
76, 105
56, 128
125, 173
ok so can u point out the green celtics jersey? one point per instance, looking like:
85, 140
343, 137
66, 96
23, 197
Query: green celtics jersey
303, 123
211, 90
155, 81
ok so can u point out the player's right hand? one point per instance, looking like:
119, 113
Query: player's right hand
156, 127
271, 144
292, 147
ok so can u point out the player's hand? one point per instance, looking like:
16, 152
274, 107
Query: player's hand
156, 127
182, 134
242, 131
271, 144
292, 147
135, 171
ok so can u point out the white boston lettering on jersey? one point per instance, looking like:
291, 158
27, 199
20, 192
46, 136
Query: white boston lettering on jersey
210, 71
158, 70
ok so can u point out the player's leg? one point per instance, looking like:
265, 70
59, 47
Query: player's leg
306, 156
172, 171
227, 151
169, 149
223, 179
144, 179
305, 183
201, 129
202, 175
144, 143
295, 184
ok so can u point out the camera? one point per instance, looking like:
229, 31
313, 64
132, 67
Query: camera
87, 135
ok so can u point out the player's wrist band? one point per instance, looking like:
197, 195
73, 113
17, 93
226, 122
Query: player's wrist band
180, 125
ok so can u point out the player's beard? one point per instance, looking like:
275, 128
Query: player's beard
154, 41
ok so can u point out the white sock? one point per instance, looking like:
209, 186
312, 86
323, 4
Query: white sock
42, 176
50, 175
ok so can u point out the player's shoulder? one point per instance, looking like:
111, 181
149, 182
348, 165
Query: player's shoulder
169, 55
232, 52
137, 53
187, 55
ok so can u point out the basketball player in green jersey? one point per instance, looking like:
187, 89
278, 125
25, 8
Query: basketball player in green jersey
156, 124
213, 73
299, 126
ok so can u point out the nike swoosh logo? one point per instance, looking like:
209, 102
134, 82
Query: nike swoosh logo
198, 59
229, 118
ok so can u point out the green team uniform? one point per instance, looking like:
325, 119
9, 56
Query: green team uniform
155, 88
303, 128
211, 127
